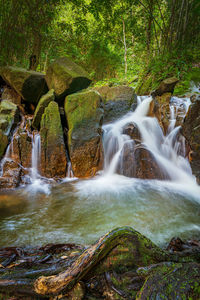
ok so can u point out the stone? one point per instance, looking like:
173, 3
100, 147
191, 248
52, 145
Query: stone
11, 95
166, 86
118, 101
191, 131
53, 152
84, 115
30, 85
42, 104
3, 143
66, 77
138, 162
11, 175
171, 281
9, 117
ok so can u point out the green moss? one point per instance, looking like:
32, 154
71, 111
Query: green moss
80, 108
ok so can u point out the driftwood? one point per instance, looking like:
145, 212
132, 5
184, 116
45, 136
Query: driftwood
65, 269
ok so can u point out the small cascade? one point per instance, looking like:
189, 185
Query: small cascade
36, 155
7, 157
168, 151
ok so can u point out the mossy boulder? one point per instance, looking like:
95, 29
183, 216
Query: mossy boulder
66, 77
30, 85
84, 114
42, 104
170, 281
53, 152
118, 100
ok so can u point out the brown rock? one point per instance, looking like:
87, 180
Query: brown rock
166, 86
191, 131
11, 95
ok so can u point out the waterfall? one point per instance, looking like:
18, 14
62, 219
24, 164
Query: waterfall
36, 155
166, 150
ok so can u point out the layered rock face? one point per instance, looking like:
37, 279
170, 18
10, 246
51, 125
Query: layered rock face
84, 114
66, 77
191, 131
53, 152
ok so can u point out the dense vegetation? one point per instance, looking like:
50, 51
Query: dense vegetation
112, 39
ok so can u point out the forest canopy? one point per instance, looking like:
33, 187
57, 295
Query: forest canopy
110, 38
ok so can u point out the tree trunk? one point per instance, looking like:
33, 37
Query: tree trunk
125, 48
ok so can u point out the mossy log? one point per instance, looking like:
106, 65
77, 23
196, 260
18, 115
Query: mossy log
146, 250
108, 266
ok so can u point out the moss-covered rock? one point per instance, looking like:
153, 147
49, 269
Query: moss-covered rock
53, 152
84, 114
29, 85
66, 77
170, 281
144, 86
42, 104
118, 100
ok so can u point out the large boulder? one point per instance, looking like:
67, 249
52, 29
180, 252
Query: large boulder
43, 103
30, 85
66, 77
53, 152
191, 131
84, 114
166, 86
118, 100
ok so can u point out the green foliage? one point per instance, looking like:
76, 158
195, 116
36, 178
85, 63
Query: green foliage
105, 37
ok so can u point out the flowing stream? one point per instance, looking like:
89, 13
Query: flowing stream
82, 210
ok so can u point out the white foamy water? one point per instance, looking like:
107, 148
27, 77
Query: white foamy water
38, 183
168, 151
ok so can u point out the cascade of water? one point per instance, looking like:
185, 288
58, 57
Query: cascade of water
36, 154
165, 149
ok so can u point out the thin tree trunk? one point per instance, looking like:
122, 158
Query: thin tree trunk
125, 48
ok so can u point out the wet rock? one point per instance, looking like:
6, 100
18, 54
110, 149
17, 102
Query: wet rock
161, 110
18, 157
133, 132
84, 114
42, 104
30, 85
118, 100
11, 175
53, 152
138, 162
66, 77
191, 131
11, 95
171, 281
166, 86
